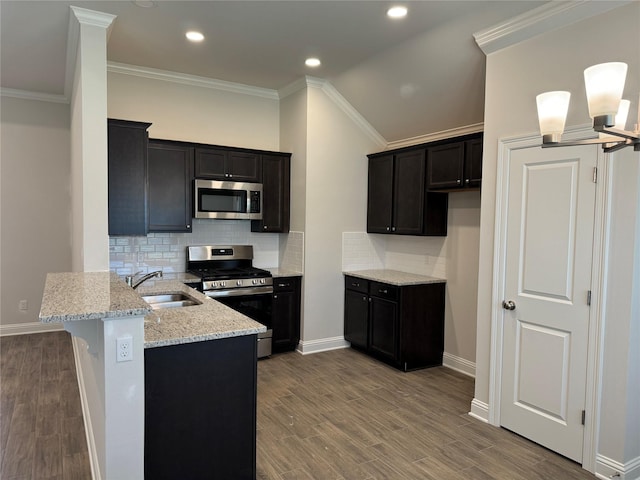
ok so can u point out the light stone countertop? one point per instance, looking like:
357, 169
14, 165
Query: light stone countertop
80, 296
394, 277
76, 296
209, 321
281, 272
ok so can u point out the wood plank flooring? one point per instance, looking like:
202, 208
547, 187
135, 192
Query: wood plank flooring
41, 426
332, 415
341, 415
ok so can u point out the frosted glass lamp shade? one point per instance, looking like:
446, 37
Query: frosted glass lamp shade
623, 113
552, 112
604, 84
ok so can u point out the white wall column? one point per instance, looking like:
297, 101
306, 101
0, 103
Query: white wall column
90, 242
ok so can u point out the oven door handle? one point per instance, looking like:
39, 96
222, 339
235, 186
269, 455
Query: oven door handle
240, 292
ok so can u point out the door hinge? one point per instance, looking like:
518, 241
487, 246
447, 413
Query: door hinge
589, 298
584, 415
595, 174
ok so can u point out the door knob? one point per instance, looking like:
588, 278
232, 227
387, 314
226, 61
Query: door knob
508, 305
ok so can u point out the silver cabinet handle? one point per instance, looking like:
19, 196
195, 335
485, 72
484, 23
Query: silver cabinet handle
393, 229
383, 291
387, 229
508, 305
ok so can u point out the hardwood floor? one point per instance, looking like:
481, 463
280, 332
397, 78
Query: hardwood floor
41, 426
331, 415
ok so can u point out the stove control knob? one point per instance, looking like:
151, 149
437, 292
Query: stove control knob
214, 284
239, 283
222, 284
263, 281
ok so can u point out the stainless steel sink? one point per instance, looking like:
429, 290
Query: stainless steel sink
170, 300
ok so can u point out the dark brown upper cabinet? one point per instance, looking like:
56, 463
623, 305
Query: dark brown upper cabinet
455, 164
127, 177
276, 188
398, 202
224, 164
170, 177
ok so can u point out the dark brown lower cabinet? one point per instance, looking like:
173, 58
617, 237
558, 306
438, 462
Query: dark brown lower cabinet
400, 325
200, 410
285, 313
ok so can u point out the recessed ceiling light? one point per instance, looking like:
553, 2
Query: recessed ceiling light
195, 36
397, 12
312, 62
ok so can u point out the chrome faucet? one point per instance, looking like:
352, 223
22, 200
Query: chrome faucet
136, 284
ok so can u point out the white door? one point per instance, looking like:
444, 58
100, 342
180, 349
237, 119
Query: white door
550, 218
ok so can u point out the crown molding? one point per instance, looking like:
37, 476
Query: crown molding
93, 18
27, 95
335, 96
81, 16
192, 80
432, 137
547, 17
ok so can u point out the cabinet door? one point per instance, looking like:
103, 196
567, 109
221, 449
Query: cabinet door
383, 322
276, 187
356, 318
127, 177
210, 163
380, 194
409, 191
244, 167
286, 314
445, 166
473, 163
170, 178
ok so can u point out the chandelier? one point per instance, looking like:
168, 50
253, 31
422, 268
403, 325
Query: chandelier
604, 84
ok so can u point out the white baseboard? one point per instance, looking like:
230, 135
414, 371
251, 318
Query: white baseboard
606, 468
30, 327
459, 364
479, 410
322, 345
86, 413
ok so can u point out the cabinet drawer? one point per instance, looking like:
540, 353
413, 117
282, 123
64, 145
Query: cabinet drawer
357, 284
284, 284
383, 290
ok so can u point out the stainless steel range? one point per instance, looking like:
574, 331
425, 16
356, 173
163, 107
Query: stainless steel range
227, 274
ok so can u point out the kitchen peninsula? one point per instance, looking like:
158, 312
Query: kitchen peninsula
194, 362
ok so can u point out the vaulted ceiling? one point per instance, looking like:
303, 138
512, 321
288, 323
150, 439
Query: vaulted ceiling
407, 77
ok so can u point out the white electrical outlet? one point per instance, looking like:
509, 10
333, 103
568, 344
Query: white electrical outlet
23, 305
124, 349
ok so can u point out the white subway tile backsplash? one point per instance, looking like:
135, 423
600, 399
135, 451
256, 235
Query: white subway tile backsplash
167, 251
420, 255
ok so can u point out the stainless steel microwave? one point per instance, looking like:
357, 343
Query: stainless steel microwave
228, 200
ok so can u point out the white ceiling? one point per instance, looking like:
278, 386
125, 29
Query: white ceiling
408, 77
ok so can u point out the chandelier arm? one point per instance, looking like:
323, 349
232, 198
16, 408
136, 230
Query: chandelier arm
619, 133
575, 143
615, 148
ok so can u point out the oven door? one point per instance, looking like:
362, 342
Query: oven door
257, 307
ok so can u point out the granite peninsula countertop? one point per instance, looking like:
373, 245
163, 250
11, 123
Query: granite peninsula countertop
93, 295
394, 277
75, 296
209, 321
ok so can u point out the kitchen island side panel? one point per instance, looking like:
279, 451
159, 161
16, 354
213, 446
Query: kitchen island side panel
200, 410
